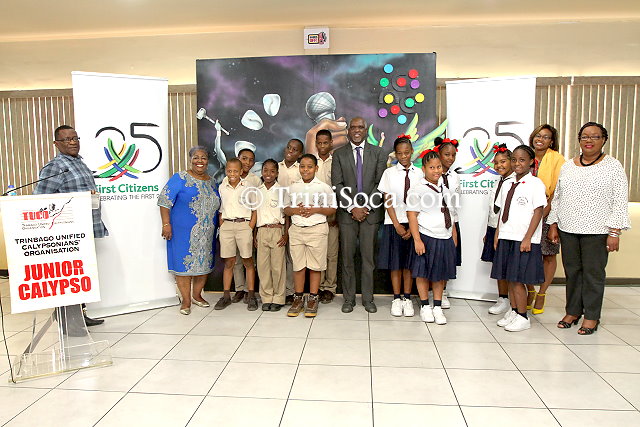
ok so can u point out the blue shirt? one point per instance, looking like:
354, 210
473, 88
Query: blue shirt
79, 178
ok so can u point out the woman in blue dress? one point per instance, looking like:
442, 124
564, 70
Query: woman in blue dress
188, 206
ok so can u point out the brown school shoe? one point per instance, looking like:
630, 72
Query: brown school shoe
252, 304
312, 306
297, 307
222, 303
239, 296
288, 300
326, 297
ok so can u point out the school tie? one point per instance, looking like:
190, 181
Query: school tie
444, 209
359, 169
407, 184
507, 203
445, 179
495, 208
447, 214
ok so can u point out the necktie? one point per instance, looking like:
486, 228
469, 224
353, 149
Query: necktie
444, 209
359, 169
507, 203
407, 184
495, 208
445, 179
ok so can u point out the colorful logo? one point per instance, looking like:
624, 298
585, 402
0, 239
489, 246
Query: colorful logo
482, 159
121, 162
399, 93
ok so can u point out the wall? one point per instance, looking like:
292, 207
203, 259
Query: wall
543, 49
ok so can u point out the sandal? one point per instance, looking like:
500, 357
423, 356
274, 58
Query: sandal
588, 331
535, 310
567, 325
529, 303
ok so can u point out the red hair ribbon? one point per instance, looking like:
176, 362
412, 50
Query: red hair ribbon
498, 149
425, 152
453, 142
404, 136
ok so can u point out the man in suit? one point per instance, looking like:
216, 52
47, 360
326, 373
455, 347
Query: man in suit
356, 172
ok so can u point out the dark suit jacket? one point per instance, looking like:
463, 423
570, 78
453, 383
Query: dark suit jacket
343, 177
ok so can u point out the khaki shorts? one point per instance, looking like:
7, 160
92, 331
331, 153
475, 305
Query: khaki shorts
308, 246
236, 235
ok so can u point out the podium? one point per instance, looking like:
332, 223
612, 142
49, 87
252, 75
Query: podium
52, 264
73, 347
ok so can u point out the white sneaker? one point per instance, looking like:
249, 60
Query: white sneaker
426, 314
438, 315
396, 307
445, 301
500, 307
407, 307
518, 324
508, 318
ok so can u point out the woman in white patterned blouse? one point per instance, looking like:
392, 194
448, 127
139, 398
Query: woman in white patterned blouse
588, 212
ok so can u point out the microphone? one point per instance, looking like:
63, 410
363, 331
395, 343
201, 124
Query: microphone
65, 170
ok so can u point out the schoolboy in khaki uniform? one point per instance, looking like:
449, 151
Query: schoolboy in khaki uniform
248, 160
329, 278
271, 236
288, 173
308, 202
236, 233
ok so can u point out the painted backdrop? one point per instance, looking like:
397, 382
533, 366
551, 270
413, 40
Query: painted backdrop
261, 103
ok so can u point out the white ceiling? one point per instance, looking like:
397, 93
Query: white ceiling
24, 20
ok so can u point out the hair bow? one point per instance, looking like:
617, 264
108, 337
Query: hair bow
453, 142
405, 136
499, 148
425, 152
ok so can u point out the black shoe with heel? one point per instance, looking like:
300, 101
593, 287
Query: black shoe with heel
588, 331
567, 325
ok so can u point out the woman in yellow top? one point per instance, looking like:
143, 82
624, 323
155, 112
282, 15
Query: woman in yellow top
547, 164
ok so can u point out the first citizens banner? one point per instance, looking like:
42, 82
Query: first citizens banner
50, 250
123, 123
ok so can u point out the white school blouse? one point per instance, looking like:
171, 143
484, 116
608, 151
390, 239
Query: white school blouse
428, 203
392, 182
492, 220
454, 188
529, 195
591, 199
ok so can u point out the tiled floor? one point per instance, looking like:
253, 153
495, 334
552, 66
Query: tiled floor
240, 368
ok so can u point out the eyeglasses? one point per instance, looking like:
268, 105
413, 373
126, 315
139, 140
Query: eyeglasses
68, 140
585, 138
543, 137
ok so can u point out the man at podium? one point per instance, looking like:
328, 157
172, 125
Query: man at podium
67, 173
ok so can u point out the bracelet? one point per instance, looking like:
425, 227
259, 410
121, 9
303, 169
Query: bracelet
614, 235
164, 225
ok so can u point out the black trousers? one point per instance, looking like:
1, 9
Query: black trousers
584, 257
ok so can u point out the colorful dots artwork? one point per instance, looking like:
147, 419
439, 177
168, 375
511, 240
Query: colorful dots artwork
398, 92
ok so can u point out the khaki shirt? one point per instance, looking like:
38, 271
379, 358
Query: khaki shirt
288, 175
231, 206
270, 210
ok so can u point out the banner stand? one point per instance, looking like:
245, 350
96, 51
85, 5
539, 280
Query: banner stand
63, 344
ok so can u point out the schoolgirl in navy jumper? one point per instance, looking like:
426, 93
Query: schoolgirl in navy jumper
502, 165
395, 246
433, 259
518, 257
447, 150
